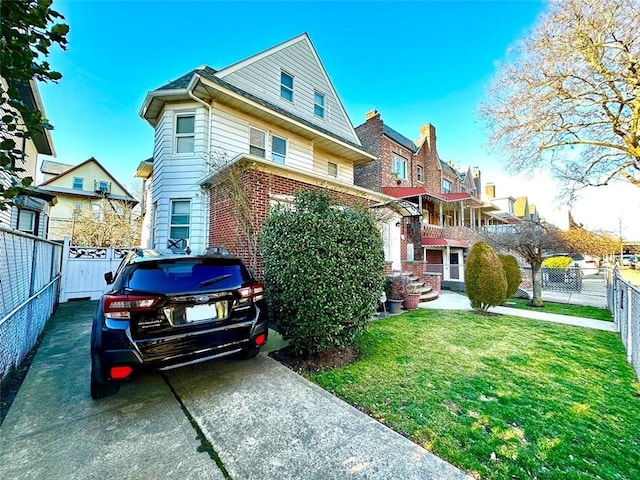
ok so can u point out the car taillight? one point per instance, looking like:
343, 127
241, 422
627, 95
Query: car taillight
261, 340
589, 261
119, 307
120, 373
255, 292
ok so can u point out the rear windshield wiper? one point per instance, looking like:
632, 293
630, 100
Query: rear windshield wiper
213, 280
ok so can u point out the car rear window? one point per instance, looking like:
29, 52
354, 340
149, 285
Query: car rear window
187, 276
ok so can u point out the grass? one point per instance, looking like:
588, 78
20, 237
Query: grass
563, 309
498, 396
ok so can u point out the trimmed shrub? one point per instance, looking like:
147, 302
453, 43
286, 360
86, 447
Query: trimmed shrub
512, 272
324, 271
485, 280
558, 262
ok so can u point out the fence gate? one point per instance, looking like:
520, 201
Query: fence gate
83, 270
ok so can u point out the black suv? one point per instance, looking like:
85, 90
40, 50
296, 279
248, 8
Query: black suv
164, 310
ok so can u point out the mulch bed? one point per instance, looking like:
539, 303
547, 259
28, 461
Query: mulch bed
327, 360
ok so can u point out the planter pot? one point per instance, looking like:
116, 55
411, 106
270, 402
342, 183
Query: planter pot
411, 301
394, 306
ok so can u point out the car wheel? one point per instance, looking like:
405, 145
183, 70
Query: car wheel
99, 387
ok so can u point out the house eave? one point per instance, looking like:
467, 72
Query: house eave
155, 100
323, 181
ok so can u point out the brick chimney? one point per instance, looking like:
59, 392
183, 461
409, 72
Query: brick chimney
428, 133
490, 190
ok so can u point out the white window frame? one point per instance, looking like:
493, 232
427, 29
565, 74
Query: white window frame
79, 181
172, 225
23, 213
264, 139
286, 88
420, 173
97, 211
177, 136
400, 166
275, 156
450, 184
319, 107
334, 175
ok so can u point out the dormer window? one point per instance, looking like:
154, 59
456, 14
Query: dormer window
318, 104
286, 86
447, 186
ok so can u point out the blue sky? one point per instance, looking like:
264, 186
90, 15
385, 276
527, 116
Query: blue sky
415, 62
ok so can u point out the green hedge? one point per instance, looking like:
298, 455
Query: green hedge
512, 273
324, 271
485, 280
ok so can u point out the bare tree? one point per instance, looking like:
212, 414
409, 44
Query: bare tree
570, 99
531, 241
110, 225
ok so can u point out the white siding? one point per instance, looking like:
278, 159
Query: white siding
175, 176
262, 78
321, 165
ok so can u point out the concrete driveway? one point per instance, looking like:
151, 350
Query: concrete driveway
236, 420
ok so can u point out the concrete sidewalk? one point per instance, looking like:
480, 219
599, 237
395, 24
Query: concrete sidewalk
261, 420
449, 300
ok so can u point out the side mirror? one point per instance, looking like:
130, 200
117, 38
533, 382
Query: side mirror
108, 277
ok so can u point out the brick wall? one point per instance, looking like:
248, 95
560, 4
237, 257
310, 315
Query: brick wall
226, 229
369, 175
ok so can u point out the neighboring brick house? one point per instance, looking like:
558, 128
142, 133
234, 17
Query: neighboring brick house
448, 201
255, 132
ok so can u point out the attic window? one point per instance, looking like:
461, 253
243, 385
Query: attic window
286, 86
318, 104
78, 183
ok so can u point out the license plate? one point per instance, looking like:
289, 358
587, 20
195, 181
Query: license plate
201, 312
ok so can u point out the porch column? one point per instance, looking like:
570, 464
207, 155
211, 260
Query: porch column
441, 216
447, 264
462, 214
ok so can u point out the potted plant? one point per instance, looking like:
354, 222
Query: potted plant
397, 289
412, 296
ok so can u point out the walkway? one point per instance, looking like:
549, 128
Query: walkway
239, 420
449, 300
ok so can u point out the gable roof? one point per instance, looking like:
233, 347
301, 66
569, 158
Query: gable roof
76, 167
199, 82
399, 138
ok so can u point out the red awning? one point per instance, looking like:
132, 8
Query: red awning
408, 192
442, 242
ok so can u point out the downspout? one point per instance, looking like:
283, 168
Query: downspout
206, 205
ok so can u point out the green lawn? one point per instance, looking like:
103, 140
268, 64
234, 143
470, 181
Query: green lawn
500, 397
563, 309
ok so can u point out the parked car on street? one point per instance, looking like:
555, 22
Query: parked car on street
164, 310
588, 264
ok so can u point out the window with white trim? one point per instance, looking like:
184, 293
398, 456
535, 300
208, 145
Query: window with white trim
286, 86
420, 173
318, 104
257, 142
278, 149
96, 210
27, 221
332, 169
180, 219
447, 186
400, 167
185, 133
78, 183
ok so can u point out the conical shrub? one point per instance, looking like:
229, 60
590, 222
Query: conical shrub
512, 272
485, 280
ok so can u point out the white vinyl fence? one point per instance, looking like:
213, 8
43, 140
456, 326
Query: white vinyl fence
29, 284
624, 302
83, 270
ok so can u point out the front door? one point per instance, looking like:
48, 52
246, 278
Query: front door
454, 270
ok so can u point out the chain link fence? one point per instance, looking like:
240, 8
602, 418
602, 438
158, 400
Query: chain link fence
623, 300
29, 288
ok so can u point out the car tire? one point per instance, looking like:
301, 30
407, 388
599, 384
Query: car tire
99, 387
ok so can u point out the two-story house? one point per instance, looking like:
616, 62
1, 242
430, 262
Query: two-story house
230, 143
30, 210
449, 209
86, 186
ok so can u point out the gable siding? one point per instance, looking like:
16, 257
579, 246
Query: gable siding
262, 78
175, 176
